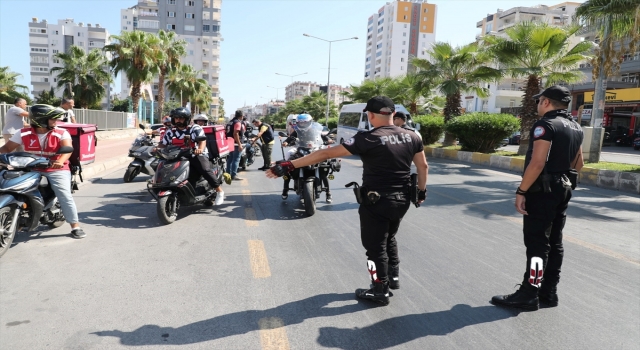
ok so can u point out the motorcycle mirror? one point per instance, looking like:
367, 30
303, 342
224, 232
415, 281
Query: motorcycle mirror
65, 150
282, 134
141, 126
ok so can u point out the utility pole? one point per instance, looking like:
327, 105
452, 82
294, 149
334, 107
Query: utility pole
597, 112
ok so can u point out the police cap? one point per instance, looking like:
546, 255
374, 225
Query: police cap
557, 93
380, 105
400, 115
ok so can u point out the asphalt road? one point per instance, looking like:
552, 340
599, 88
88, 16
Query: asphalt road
612, 154
255, 273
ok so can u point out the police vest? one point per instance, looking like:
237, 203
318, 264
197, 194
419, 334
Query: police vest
31, 144
267, 136
230, 128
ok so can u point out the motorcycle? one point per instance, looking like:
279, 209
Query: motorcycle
307, 181
249, 152
170, 185
143, 159
26, 197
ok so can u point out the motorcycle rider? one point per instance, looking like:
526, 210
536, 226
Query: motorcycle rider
44, 139
400, 120
166, 122
303, 122
201, 120
199, 164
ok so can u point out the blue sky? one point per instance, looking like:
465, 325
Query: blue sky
261, 37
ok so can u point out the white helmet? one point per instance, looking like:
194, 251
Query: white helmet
200, 117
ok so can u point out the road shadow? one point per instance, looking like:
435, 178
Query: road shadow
403, 329
237, 323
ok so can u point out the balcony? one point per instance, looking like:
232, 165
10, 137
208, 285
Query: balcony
505, 26
479, 24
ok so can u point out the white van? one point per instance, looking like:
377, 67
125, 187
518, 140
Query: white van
353, 120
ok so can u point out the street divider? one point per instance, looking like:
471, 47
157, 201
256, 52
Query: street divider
609, 179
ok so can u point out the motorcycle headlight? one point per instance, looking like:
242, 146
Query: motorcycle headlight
136, 154
181, 178
19, 162
22, 186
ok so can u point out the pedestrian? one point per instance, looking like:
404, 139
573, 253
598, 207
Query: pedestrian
67, 104
387, 152
400, 120
43, 138
543, 197
235, 130
14, 120
266, 136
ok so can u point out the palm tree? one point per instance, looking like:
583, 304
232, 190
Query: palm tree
201, 95
456, 70
617, 23
134, 54
542, 55
180, 82
409, 90
86, 74
367, 90
9, 88
170, 51
316, 105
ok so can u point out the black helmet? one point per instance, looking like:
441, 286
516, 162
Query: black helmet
41, 113
180, 112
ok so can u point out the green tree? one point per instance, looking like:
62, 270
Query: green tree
9, 87
542, 55
617, 23
171, 49
368, 89
316, 105
118, 105
134, 54
48, 98
86, 74
180, 82
409, 90
456, 70
169, 106
221, 108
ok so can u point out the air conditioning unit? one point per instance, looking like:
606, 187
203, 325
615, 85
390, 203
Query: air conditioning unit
199, 39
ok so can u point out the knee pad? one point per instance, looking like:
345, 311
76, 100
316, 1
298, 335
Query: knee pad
371, 266
536, 271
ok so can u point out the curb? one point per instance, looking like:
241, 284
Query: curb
609, 179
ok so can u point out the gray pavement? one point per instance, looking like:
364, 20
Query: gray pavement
612, 154
205, 282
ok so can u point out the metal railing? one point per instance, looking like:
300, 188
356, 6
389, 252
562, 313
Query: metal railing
105, 120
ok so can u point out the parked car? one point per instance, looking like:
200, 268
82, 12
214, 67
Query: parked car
514, 139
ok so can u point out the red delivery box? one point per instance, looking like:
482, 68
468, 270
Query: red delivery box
216, 140
84, 142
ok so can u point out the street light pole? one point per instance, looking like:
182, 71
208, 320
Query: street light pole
291, 76
329, 69
277, 88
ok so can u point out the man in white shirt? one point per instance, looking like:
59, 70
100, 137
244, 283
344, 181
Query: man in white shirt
14, 120
67, 104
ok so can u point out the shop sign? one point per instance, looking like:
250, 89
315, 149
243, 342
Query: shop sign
619, 95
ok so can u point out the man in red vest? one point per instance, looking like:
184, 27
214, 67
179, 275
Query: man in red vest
44, 139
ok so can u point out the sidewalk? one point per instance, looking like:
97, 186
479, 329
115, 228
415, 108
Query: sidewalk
109, 155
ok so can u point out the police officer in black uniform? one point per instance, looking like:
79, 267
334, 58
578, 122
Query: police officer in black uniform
387, 152
400, 120
543, 197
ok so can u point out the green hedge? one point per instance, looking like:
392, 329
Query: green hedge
282, 125
431, 127
333, 123
482, 132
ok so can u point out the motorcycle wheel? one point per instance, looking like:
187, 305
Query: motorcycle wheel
308, 194
167, 209
131, 173
56, 224
257, 150
6, 238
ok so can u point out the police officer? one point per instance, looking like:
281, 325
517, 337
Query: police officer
400, 120
543, 197
387, 152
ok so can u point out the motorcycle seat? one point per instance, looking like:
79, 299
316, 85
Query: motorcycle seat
44, 182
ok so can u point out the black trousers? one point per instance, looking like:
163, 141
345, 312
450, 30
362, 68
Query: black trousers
379, 224
200, 165
543, 235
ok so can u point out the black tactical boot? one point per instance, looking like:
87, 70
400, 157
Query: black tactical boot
394, 281
329, 198
379, 293
524, 298
548, 296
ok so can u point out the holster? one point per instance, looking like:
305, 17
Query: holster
364, 196
573, 178
413, 190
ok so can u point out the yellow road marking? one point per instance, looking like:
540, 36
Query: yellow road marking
244, 183
250, 218
258, 257
273, 335
577, 241
246, 195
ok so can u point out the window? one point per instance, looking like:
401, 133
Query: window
404, 34
39, 69
54, 42
55, 60
189, 15
55, 80
171, 26
404, 43
401, 67
40, 59
189, 3
190, 52
402, 59
215, 28
171, 2
424, 27
38, 30
424, 19
124, 17
38, 49
148, 24
92, 44
80, 34
512, 103
155, 86
406, 8
124, 28
405, 17
171, 14
190, 28
426, 10
424, 36
189, 40
206, 16
402, 50
205, 42
54, 51
206, 27
55, 32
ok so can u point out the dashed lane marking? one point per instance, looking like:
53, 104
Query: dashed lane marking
250, 218
259, 261
273, 335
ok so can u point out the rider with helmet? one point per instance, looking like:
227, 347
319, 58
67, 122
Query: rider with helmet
199, 164
166, 122
44, 139
201, 119
304, 121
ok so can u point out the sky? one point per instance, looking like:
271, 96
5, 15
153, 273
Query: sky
260, 37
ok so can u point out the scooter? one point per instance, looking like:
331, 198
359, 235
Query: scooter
26, 197
171, 187
144, 161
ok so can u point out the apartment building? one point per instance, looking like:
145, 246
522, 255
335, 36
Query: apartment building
335, 93
195, 21
299, 89
509, 92
46, 40
398, 32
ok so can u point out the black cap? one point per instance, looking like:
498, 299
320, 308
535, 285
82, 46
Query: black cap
380, 105
400, 115
557, 93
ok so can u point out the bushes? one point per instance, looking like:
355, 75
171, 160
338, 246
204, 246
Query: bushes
482, 132
281, 126
333, 123
431, 127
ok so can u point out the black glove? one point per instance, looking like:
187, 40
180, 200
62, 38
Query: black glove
422, 195
282, 169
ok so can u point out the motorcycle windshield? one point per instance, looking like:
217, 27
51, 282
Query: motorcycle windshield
310, 138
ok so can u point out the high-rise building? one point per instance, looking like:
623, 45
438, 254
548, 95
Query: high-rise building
195, 21
398, 32
299, 89
46, 40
